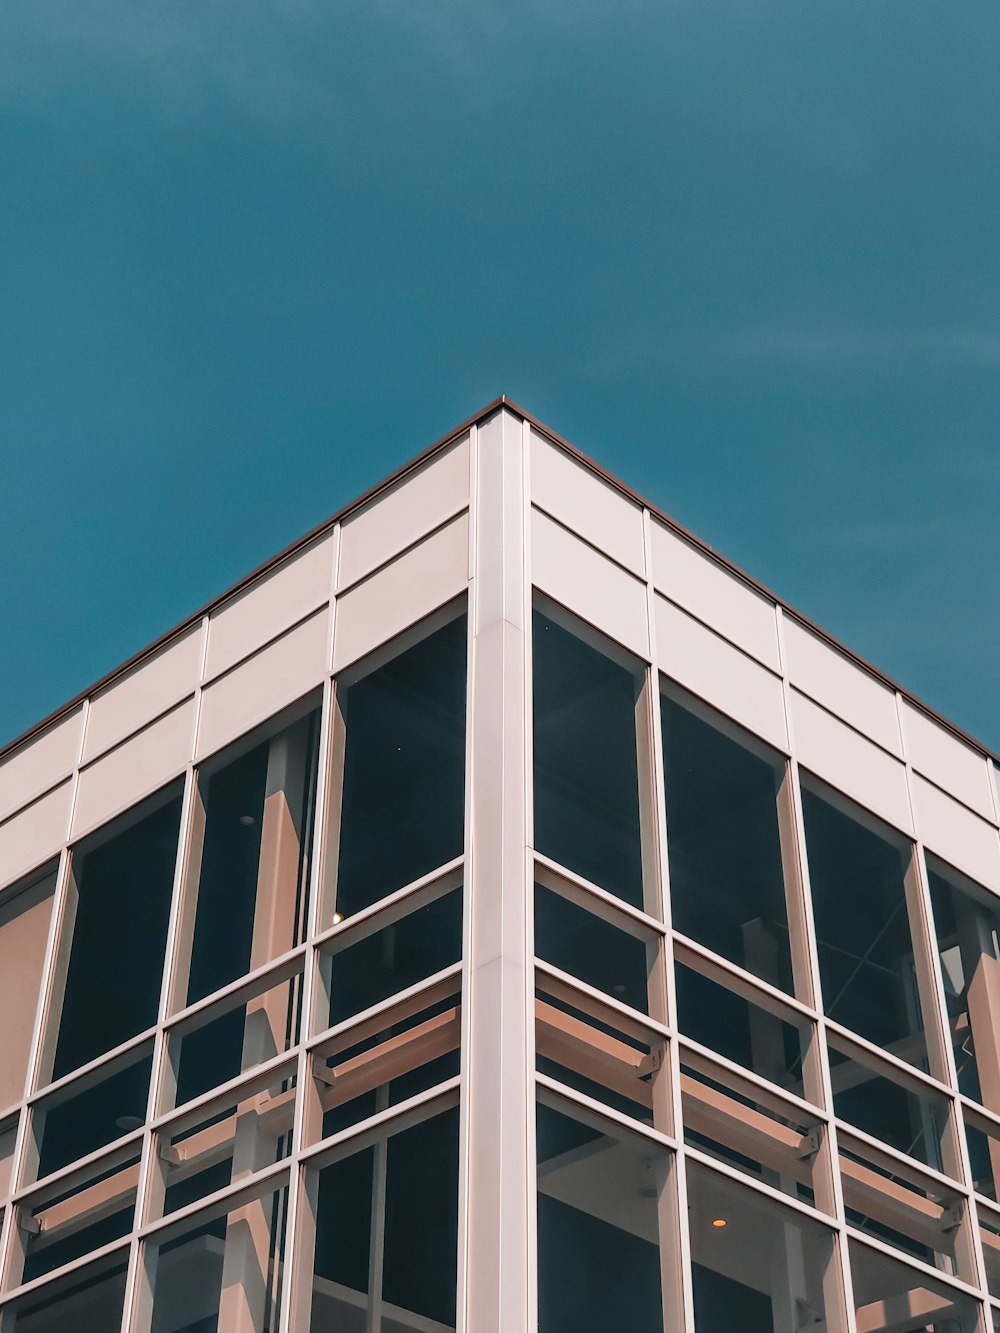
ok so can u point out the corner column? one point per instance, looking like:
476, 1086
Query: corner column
497, 1128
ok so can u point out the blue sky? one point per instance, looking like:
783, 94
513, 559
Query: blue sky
744, 252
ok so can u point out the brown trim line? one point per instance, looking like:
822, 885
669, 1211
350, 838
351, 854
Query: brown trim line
391, 480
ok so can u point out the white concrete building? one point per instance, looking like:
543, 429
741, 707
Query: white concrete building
499, 913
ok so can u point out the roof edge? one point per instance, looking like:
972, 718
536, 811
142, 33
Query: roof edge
439, 445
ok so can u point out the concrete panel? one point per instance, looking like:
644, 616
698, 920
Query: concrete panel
586, 582
262, 686
834, 681
715, 596
402, 593
956, 834
588, 505
143, 694
716, 671
34, 835
404, 514
947, 761
850, 763
133, 770
270, 606
41, 764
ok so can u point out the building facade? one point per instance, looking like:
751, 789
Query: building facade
499, 913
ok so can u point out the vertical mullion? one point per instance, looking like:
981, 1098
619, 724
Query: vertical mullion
300, 1226
680, 1311
839, 1289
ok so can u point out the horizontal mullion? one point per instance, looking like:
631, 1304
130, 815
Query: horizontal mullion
891, 1159
104, 1158
563, 1092
222, 1201
391, 908
633, 1021
746, 984
101, 1066
245, 1084
59, 1275
615, 911
756, 1186
409, 1001
911, 1261
707, 1056
262, 979
318, 1155
883, 1062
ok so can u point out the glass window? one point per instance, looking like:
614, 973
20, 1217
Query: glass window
24, 928
83, 1214
224, 1271
751, 1255
403, 803
254, 859
82, 1117
87, 1301
587, 946
123, 878
883, 1286
387, 1231
966, 921
586, 769
604, 1246
726, 882
862, 930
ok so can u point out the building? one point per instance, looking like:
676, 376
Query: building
499, 913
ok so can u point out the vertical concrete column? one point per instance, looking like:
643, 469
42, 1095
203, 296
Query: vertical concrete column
496, 1045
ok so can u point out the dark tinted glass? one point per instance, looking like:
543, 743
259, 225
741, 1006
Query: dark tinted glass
404, 770
598, 1256
279, 772
98, 1115
726, 883
862, 929
582, 944
116, 959
90, 1301
586, 774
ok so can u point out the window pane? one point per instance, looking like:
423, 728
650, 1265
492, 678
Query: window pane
404, 769
751, 1255
73, 1123
24, 926
116, 958
87, 1302
882, 1285
576, 941
862, 930
96, 1209
966, 924
223, 1272
387, 1223
586, 773
726, 883
258, 814
601, 1219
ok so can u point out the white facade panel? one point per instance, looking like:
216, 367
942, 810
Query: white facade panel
573, 494
402, 593
267, 608
404, 514
269, 681
126, 774
845, 689
715, 596
948, 762
44, 761
34, 835
584, 581
957, 835
850, 763
143, 694
714, 670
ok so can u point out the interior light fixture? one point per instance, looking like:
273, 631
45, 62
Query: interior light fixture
337, 918
719, 1222
247, 821
126, 1123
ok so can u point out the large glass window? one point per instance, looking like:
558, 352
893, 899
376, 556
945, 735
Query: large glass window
24, 922
967, 922
387, 1232
727, 887
586, 769
123, 880
605, 1243
403, 791
862, 929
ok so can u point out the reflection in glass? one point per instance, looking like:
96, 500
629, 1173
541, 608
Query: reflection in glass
73, 1123
258, 812
726, 882
881, 1106
862, 930
586, 773
756, 1266
882, 1285
402, 812
602, 1228
387, 1225
587, 947
89, 1301
24, 923
74, 1220
124, 884
223, 1272
966, 923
